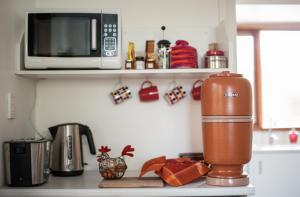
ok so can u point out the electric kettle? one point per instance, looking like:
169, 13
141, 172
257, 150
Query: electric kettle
66, 148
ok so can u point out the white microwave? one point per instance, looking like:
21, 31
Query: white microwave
69, 39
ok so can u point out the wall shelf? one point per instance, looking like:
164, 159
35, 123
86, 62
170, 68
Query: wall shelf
127, 74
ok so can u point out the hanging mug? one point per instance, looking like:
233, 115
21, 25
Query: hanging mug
176, 94
149, 93
121, 94
196, 90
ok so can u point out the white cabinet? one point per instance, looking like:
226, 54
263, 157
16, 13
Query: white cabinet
275, 173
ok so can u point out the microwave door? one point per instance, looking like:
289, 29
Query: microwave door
64, 40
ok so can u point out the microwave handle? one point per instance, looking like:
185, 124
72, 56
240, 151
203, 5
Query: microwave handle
94, 34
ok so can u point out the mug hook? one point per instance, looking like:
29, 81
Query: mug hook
118, 84
197, 82
146, 82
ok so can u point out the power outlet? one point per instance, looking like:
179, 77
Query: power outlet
11, 106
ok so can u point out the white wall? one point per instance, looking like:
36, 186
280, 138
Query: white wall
267, 1
11, 21
156, 128
260, 13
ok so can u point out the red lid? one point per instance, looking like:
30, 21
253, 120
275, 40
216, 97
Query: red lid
215, 52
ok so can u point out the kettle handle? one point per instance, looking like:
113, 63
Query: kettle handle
85, 130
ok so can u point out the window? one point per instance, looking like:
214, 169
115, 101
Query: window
245, 62
268, 57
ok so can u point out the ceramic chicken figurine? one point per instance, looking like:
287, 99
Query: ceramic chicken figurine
113, 168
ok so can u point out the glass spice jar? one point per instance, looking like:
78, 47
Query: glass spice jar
140, 63
130, 62
150, 62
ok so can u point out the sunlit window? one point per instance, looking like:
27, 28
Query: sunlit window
280, 69
245, 61
278, 80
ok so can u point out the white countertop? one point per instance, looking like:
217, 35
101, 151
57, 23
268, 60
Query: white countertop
86, 185
276, 148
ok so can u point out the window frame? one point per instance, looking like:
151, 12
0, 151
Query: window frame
253, 29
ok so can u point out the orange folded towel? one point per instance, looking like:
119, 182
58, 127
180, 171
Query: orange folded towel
175, 172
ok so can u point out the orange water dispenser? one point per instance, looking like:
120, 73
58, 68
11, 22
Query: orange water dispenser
227, 128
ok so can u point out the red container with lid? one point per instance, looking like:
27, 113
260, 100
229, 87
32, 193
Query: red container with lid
183, 56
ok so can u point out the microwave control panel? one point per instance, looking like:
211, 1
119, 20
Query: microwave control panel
109, 35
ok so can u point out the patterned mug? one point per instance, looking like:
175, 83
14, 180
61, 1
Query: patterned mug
121, 94
176, 94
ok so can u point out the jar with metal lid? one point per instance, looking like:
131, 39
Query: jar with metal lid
214, 57
130, 61
215, 61
139, 63
150, 61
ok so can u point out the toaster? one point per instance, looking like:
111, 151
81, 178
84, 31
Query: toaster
26, 162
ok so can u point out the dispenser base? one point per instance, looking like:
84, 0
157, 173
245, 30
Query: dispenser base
230, 182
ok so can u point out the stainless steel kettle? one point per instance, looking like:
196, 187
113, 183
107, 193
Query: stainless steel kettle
66, 148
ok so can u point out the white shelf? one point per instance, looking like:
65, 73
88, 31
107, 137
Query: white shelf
86, 185
167, 73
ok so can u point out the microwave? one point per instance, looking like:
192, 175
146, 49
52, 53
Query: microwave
69, 39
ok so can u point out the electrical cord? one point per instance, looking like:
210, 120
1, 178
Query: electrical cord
32, 114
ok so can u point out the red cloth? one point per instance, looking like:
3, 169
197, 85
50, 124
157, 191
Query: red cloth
183, 56
175, 172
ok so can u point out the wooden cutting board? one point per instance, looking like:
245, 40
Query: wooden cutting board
132, 182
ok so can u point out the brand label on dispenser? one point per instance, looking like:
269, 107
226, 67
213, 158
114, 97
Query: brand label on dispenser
231, 94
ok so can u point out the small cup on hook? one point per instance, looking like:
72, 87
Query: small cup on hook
176, 94
149, 93
196, 90
120, 93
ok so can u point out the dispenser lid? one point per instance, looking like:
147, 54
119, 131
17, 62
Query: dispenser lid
226, 74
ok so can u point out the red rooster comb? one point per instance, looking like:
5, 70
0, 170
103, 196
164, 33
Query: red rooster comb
104, 149
127, 150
